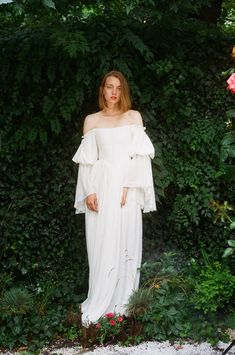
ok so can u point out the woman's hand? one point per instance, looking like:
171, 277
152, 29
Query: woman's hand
92, 203
124, 195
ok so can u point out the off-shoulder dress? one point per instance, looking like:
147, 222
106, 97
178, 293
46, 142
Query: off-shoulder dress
110, 159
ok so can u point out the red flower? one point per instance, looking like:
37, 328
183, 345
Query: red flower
98, 325
112, 322
109, 315
231, 83
120, 319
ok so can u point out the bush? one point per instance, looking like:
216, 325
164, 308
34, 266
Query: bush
214, 288
173, 308
167, 317
34, 318
45, 100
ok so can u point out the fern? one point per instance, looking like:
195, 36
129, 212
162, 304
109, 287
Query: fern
138, 44
72, 43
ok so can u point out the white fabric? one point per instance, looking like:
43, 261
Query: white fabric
86, 156
110, 159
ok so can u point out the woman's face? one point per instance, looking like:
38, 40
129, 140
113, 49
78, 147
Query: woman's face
112, 90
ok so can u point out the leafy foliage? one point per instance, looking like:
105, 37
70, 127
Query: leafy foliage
172, 311
167, 313
214, 288
33, 317
227, 153
49, 78
16, 301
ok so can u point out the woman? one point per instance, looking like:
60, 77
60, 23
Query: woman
114, 183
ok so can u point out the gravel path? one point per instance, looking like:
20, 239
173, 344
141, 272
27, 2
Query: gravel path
148, 348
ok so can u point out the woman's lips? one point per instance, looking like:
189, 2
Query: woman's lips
113, 97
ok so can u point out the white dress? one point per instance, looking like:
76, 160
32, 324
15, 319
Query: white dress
110, 159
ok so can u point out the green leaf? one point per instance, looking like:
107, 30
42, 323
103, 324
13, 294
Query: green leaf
49, 3
224, 153
33, 134
232, 225
229, 138
43, 136
55, 126
227, 72
48, 104
231, 243
227, 252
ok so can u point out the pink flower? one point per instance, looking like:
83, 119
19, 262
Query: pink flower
109, 315
231, 83
120, 319
112, 322
98, 325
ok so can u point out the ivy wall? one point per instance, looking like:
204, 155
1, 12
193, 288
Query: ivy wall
50, 74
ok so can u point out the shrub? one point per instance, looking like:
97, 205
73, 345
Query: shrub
175, 308
214, 288
109, 327
167, 317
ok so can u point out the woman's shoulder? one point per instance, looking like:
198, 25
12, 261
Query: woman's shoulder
135, 118
90, 122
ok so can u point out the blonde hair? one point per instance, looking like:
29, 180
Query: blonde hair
124, 103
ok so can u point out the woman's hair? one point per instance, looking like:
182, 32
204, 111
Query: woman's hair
124, 103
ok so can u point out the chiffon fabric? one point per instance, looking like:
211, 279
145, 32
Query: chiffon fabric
110, 159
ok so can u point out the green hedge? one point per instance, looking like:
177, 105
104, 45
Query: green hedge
50, 75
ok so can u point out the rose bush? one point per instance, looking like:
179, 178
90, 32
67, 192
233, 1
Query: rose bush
109, 327
227, 153
227, 157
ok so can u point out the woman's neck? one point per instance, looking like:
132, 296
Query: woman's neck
111, 112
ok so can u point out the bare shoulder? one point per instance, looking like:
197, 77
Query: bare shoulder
135, 117
90, 122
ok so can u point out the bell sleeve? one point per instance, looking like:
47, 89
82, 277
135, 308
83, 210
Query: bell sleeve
138, 173
86, 156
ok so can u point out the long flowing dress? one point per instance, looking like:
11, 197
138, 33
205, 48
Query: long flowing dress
110, 159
